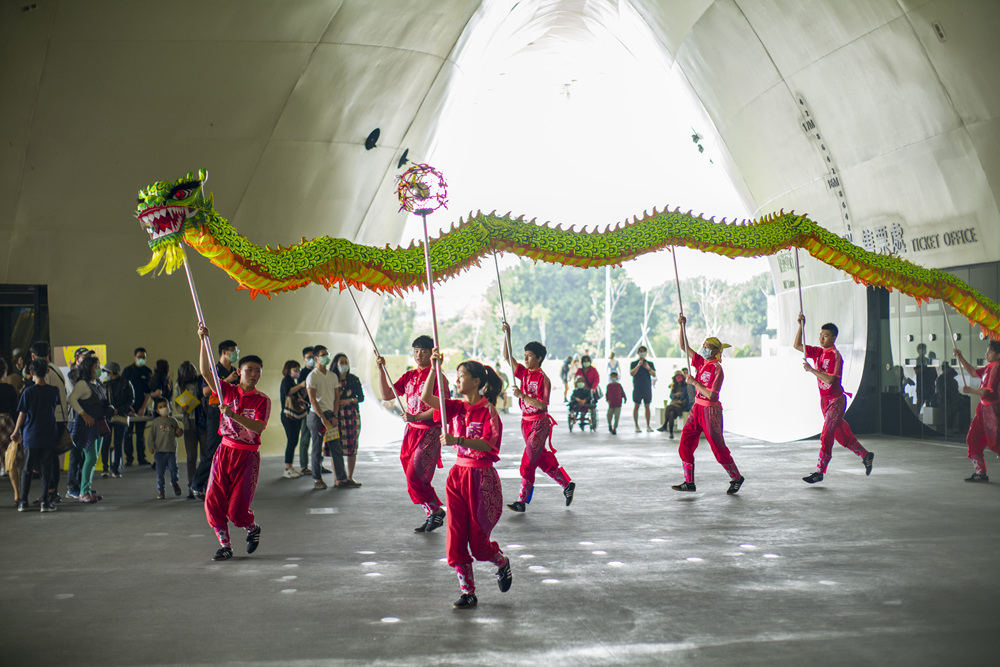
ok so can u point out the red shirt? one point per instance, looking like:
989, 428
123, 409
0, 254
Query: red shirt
534, 384
615, 395
989, 376
709, 373
252, 405
411, 387
590, 375
480, 421
829, 361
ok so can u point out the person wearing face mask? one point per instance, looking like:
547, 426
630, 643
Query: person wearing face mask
420, 452
706, 415
348, 414
615, 396
678, 403
89, 402
121, 397
225, 369
192, 419
642, 373
305, 368
164, 431
138, 375
593, 381
323, 389
580, 401
294, 408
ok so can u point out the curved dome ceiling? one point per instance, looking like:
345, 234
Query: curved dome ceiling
276, 100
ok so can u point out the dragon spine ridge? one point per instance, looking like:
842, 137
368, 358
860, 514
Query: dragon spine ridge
179, 212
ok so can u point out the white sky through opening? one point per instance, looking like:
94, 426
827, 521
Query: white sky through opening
575, 128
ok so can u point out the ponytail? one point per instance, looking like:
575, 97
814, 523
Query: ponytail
490, 384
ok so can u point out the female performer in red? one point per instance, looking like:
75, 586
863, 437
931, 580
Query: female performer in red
472, 492
706, 414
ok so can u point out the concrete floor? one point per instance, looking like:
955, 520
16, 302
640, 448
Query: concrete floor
896, 568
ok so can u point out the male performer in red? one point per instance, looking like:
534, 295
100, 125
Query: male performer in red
420, 453
832, 399
536, 423
233, 478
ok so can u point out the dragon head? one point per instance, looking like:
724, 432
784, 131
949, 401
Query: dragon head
166, 210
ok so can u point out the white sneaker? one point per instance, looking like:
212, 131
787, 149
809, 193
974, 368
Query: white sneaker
291, 473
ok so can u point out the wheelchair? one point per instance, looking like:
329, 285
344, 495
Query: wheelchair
583, 415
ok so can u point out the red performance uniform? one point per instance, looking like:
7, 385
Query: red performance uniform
985, 428
706, 417
420, 453
473, 492
536, 427
833, 403
233, 477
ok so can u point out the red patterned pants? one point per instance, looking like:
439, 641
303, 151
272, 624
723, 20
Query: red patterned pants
231, 485
420, 455
835, 428
984, 433
705, 419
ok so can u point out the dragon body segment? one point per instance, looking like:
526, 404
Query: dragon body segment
178, 212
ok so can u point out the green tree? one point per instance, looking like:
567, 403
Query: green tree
395, 329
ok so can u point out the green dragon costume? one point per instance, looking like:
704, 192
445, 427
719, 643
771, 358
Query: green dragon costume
179, 212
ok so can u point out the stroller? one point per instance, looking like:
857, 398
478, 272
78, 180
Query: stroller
582, 410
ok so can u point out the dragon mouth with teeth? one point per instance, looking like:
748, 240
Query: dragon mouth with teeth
162, 222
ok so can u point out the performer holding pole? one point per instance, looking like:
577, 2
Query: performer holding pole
420, 452
706, 413
983, 432
833, 399
536, 422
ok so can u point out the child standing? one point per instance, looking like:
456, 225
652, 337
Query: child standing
420, 452
36, 416
165, 431
706, 414
536, 423
615, 395
983, 432
244, 412
832, 399
473, 492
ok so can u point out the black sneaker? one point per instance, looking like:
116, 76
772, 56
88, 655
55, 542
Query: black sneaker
253, 540
869, 457
686, 486
813, 478
225, 553
504, 576
22, 506
177, 489
422, 527
976, 477
467, 601
517, 506
568, 492
434, 521
734, 486
48, 507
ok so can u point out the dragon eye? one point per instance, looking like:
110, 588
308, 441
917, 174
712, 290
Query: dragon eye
181, 194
